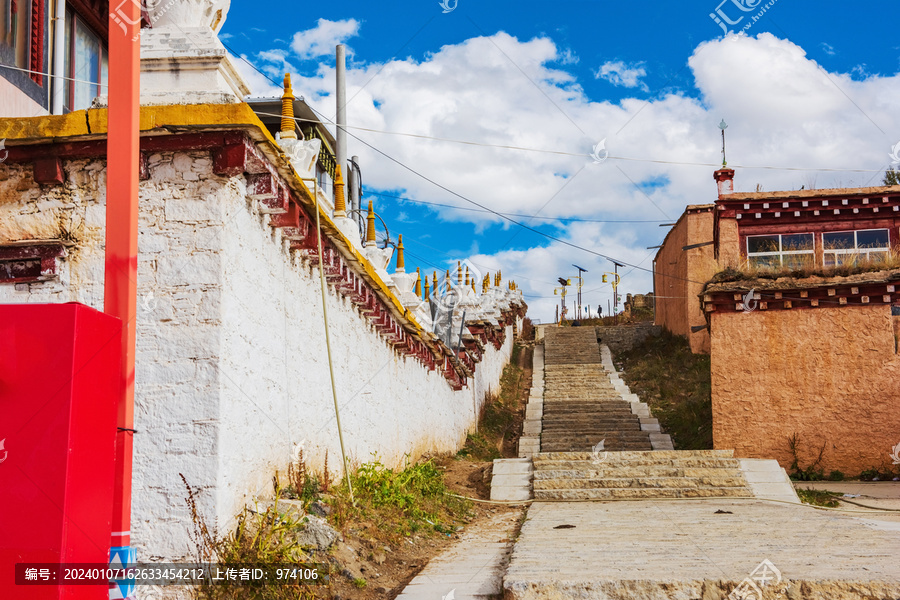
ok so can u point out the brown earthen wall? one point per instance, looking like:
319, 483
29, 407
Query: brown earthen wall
830, 375
681, 275
729, 244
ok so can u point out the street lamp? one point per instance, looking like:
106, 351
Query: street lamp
580, 285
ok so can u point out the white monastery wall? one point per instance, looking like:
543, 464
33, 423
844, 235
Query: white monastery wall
232, 372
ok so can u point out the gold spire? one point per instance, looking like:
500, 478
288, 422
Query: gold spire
467, 275
459, 273
418, 283
427, 290
448, 280
401, 261
340, 202
287, 110
370, 226
434, 286
473, 286
485, 284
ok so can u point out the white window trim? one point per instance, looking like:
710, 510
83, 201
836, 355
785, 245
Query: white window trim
781, 253
856, 250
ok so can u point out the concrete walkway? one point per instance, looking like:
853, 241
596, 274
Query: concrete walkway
693, 549
473, 567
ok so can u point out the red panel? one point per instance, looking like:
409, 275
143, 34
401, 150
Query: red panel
58, 398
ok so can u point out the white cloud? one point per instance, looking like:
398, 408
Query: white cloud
620, 74
321, 39
783, 110
828, 49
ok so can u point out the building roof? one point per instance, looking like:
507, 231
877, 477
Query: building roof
826, 193
800, 283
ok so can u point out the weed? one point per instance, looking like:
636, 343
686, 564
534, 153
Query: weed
852, 264
882, 473
499, 416
836, 476
818, 497
258, 539
676, 384
398, 502
813, 471
359, 582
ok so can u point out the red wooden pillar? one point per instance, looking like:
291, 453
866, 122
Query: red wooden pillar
120, 291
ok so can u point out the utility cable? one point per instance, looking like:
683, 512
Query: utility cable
501, 215
337, 411
581, 154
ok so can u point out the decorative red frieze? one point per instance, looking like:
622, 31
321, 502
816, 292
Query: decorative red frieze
238, 155
235, 154
824, 296
30, 262
48, 170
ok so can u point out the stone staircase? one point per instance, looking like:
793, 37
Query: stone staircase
638, 475
582, 404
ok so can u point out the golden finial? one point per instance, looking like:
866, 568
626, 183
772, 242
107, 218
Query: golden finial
473, 286
287, 110
485, 284
427, 290
340, 202
467, 275
447, 276
370, 226
418, 282
459, 272
434, 282
401, 261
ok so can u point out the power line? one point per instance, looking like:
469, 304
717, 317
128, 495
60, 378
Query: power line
575, 154
524, 226
567, 219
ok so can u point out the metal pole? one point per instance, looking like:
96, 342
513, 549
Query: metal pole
616, 294
341, 98
120, 268
355, 185
59, 55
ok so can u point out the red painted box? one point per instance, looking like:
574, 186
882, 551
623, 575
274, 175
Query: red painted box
58, 402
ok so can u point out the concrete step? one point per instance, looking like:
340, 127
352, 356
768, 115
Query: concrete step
655, 456
611, 446
609, 469
734, 481
511, 479
642, 493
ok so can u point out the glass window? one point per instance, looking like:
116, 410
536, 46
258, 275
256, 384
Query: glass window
847, 247
795, 251
15, 28
86, 64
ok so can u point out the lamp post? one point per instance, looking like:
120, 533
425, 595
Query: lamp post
580, 284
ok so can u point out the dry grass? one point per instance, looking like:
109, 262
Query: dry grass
889, 261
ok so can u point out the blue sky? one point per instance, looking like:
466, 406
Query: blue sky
811, 91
